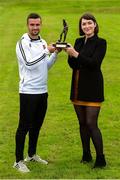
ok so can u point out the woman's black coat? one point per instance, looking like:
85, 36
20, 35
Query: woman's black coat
87, 79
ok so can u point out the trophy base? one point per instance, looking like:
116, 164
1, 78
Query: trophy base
61, 45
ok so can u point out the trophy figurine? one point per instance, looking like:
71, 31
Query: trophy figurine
61, 43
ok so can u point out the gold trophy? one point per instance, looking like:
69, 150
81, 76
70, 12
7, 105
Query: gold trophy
61, 43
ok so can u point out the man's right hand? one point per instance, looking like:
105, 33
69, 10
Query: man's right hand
51, 48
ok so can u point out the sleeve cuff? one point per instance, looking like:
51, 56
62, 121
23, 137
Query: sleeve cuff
47, 52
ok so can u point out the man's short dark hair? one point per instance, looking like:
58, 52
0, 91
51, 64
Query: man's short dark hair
33, 16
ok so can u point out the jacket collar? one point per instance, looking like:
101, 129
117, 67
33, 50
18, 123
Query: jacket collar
27, 37
92, 38
34, 39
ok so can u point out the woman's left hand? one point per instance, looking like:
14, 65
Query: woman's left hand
71, 52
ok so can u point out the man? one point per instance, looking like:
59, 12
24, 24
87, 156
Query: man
34, 60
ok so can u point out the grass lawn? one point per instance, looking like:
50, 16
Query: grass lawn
59, 140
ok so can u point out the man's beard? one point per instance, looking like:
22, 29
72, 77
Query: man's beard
35, 33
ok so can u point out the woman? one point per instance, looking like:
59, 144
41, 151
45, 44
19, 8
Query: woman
87, 90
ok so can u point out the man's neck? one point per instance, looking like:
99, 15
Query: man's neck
34, 37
